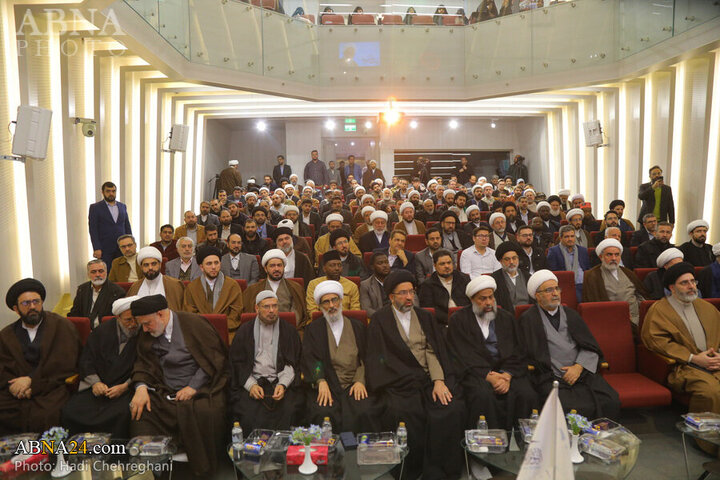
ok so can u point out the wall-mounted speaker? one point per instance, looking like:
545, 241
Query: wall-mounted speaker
32, 132
178, 138
593, 133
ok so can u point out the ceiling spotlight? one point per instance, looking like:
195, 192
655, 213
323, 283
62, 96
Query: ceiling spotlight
261, 126
330, 125
336, 144
352, 144
493, 124
368, 125
372, 143
453, 124
413, 124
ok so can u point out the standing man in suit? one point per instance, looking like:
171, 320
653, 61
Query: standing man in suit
567, 256
281, 170
95, 297
107, 221
229, 177
372, 294
657, 197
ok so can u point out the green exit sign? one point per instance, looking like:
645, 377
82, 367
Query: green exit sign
350, 120
351, 128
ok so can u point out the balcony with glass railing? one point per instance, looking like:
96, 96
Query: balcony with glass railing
383, 46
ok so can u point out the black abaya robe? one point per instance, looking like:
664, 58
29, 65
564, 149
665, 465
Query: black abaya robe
434, 430
467, 345
85, 412
346, 414
591, 395
265, 413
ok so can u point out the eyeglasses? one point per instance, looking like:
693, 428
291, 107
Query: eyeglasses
27, 303
331, 301
406, 293
551, 290
482, 235
687, 283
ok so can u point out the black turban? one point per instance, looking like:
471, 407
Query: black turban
397, 277
449, 213
281, 231
506, 247
331, 255
554, 198
148, 305
22, 286
339, 233
207, 251
615, 203
676, 271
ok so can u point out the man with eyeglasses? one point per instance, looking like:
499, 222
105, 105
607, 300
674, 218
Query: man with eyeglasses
453, 239
532, 258
559, 346
334, 368
37, 353
686, 329
408, 362
126, 267
511, 281
479, 259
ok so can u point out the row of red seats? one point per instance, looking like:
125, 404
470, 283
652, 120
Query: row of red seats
369, 19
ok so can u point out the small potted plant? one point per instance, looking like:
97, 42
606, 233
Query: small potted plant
577, 424
54, 437
307, 436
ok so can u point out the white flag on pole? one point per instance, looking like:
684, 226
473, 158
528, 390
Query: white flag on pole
548, 455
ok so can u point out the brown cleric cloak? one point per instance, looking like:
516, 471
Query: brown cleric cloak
296, 291
173, 291
59, 346
229, 303
199, 423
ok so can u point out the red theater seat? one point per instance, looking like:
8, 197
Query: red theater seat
311, 18
105, 319
259, 260
609, 323
452, 310
299, 281
643, 272
566, 281
219, 321
125, 286
332, 19
392, 20
363, 19
520, 309
242, 282
82, 324
355, 280
452, 20
415, 243
359, 315
484, 215
430, 309
422, 20
644, 307
366, 258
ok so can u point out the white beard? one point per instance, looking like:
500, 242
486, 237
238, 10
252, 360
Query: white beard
687, 297
489, 316
555, 213
610, 267
333, 318
511, 270
97, 283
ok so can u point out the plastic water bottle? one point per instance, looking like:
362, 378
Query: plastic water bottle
482, 424
237, 439
402, 436
534, 415
326, 429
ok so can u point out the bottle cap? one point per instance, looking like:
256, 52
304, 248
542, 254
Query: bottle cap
534, 410
482, 417
327, 419
573, 411
236, 424
402, 424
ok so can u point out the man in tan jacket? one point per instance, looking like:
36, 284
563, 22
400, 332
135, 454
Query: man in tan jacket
191, 229
125, 268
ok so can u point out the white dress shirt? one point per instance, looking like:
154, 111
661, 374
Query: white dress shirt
337, 328
32, 331
290, 264
404, 319
475, 263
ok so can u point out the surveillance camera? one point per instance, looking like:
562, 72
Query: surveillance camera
88, 129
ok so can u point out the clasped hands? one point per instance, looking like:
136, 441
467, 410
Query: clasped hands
258, 393
499, 381
709, 360
20, 387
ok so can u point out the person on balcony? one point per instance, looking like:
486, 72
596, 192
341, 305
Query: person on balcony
440, 12
409, 13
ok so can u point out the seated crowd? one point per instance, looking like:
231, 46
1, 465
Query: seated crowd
425, 303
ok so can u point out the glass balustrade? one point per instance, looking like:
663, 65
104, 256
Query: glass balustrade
256, 38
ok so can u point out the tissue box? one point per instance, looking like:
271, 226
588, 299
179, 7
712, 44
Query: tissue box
296, 455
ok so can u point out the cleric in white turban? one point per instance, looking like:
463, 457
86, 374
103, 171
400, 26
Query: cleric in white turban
696, 251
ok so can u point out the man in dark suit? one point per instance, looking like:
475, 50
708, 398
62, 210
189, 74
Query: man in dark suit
648, 252
399, 258
511, 280
542, 236
445, 288
372, 294
237, 264
656, 189
543, 211
309, 217
378, 237
281, 170
206, 216
264, 228
532, 258
513, 221
95, 297
566, 256
646, 232
454, 238
107, 221
227, 227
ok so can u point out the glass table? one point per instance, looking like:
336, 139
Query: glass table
341, 464
511, 461
712, 437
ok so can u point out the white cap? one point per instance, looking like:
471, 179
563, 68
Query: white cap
148, 252
367, 209
406, 205
576, 196
378, 214
274, 253
695, 224
367, 196
543, 204
482, 178
232, 163
471, 208
310, 182
476, 187
293, 175
431, 181
574, 211
448, 192
308, 187
412, 192
479, 283
264, 295
564, 191
529, 190
715, 250
280, 190
488, 185
123, 304
670, 254
325, 287
250, 194
334, 217
265, 188
286, 223
520, 180
292, 208
359, 187
537, 279
608, 242
495, 216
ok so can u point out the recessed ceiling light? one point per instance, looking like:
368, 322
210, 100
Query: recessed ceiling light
493, 124
368, 124
330, 124
261, 126
453, 124
413, 124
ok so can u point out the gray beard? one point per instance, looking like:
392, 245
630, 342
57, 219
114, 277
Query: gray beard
610, 268
287, 249
511, 270
128, 333
555, 213
687, 297
489, 316
333, 318
97, 283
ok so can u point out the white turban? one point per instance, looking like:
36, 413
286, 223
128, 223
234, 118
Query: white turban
280, 190
528, 190
123, 304
325, 287
334, 217
431, 181
251, 180
716, 250
250, 194
564, 191
412, 192
695, 224
378, 180
608, 242
359, 187
520, 180
265, 188
367, 196
406, 205
293, 175
287, 223
274, 253
471, 208
543, 204
481, 282
232, 163
310, 182
292, 208
308, 187
670, 254
367, 209
576, 196
482, 178
488, 185
537, 279
476, 187
148, 252
378, 214
448, 192
495, 216
574, 211
264, 295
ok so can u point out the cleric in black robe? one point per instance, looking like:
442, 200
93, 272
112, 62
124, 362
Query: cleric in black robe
181, 356
560, 347
264, 370
333, 367
106, 363
696, 251
414, 372
491, 366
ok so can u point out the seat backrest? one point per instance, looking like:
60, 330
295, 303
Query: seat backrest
430, 309
520, 309
246, 317
82, 324
186, 283
566, 281
459, 253
556, 235
299, 281
106, 318
452, 310
627, 237
430, 224
363, 19
415, 243
643, 272
714, 301
309, 240
125, 286
450, 20
633, 251
360, 315
270, 4
609, 322
309, 17
259, 260
219, 321
422, 20
484, 215
392, 20
644, 307
355, 280
242, 282
366, 258
312, 229
332, 19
